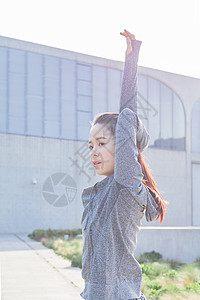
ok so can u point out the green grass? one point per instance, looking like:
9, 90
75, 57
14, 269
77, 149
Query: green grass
161, 279
70, 249
169, 279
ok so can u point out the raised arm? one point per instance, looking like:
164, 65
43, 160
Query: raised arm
129, 86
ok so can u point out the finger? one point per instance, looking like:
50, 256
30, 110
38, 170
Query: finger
131, 35
127, 31
122, 33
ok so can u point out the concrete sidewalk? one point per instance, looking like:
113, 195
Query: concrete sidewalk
30, 271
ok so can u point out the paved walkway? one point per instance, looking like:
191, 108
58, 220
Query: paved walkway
30, 271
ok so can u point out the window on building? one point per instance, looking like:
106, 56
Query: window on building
16, 92
84, 100
68, 99
35, 94
162, 113
3, 89
195, 127
51, 96
48, 96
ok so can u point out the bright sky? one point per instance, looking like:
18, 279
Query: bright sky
169, 29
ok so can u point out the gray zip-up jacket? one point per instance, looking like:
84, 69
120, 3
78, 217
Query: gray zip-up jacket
114, 206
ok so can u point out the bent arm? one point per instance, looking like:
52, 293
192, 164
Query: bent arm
127, 169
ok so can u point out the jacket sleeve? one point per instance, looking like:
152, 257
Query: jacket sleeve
127, 169
128, 97
129, 85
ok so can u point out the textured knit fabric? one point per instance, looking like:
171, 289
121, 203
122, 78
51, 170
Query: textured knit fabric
142, 297
114, 206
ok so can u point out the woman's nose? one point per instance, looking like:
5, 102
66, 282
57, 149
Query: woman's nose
95, 151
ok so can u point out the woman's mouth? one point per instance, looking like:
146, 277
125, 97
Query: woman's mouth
96, 164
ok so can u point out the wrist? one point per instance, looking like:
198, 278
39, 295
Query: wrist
129, 45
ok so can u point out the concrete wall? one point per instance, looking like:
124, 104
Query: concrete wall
24, 160
169, 169
26, 205
174, 243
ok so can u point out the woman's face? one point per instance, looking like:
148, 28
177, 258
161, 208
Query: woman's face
102, 149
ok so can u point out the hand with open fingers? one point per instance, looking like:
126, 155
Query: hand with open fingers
126, 33
129, 36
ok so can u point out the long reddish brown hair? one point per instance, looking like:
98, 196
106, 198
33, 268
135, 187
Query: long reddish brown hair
151, 185
109, 120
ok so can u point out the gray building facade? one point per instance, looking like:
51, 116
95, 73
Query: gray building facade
48, 97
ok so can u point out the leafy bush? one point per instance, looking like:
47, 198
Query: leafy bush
149, 257
155, 285
170, 273
155, 294
77, 260
39, 233
148, 270
194, 286
197, 260
174, 264
49, 243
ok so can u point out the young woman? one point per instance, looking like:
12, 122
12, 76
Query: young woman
114, 206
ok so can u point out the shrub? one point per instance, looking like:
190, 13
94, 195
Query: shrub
194, 286
155, 294
156, 289
148, 270
174, 264
149, 257
77, 261
39, 233
153, 284
170, 273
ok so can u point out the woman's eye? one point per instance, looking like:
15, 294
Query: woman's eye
90, 147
